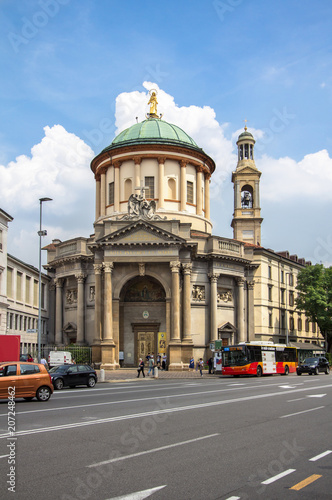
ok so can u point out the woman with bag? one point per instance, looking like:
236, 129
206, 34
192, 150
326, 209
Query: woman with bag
140, 368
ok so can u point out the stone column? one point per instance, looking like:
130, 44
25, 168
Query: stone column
108, 298
187, 302
256, 195
103, 193
207, 196
98, 183
58, 309
98, 323
199, 200
161, 196
80, 339
137, 160
175, 321
240, 310
116, 166
213, 306
183, 187
251, 311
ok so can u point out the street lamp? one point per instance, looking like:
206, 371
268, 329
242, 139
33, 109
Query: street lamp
40, 234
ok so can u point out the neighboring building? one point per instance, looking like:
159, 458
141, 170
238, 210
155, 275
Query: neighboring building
19, 296
153, 278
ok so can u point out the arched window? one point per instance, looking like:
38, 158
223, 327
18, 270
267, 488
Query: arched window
247, 197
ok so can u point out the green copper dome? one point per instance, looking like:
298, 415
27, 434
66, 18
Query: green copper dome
154, 131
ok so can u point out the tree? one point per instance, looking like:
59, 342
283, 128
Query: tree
314, 286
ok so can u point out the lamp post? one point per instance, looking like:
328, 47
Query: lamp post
40, 234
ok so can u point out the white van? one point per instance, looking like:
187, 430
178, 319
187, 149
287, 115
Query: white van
57, 358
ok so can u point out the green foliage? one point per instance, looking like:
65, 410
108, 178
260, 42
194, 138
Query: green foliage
314, 286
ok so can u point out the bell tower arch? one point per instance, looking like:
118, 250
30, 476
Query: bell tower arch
246, 222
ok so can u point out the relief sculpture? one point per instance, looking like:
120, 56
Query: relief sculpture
198, 292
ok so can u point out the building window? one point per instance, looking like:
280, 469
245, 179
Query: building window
27, 289
282, 320
19, 286
111, 193
282, 276
127, 189
35, 293
299, 324
291, 299
282, 296
269, 272
0, 239
291, 279
43, 296
149, 184
313, 327
190, 192
291, 323
307, 325
9, 283
270, 292
270, 319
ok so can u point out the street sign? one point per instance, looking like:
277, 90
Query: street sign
32, 330
217, 344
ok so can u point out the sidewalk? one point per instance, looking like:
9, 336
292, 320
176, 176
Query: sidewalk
130, 374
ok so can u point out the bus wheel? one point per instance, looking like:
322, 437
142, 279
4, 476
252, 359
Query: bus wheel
286, 370
259, 371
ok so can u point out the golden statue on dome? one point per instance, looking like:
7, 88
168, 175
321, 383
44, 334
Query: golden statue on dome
153, 104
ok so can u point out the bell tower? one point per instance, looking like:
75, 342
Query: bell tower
247, 219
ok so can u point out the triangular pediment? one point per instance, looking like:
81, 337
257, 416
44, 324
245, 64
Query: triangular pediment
226, 326
247, 169
141, 233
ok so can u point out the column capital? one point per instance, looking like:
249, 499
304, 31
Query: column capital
102, 170
187, 268
117, 164
175, 266
250, 285
240, 281
98, 268
161, 159
59, 282
207, 175
200, 169
137, 160
108, 267
213, 277
183, 163
80, 277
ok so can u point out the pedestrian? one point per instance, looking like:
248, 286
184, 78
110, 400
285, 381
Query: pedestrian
147, 357
151, 365
140, 368
192, 363
30, 358
163, 364
44, 362
200, 366
158, 360
210, 365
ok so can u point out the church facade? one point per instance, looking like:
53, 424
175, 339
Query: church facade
153, 277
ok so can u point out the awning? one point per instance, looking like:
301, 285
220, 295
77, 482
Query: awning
305, 346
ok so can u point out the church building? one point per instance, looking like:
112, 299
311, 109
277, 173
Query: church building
153, 277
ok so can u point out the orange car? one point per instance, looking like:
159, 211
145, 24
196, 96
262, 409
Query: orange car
25, 380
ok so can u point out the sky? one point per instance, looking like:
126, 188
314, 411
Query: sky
75, 73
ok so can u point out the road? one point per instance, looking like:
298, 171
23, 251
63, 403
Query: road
209, 438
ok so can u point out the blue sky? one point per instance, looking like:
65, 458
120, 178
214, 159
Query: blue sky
70, 71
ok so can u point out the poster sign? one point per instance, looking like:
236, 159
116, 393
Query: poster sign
162, 337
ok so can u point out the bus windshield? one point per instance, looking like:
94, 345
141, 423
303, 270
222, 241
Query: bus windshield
235, 356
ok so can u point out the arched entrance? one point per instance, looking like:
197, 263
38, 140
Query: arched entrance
142, 316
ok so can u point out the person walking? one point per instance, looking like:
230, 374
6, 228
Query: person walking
140, 368
151, 365
163, 364
192, 363
200, 366
210, 365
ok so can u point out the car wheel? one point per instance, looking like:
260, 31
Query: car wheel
43, 393
286, 370
317, 371
91, 382
299, 373
58, 384
327, 370
310, 373
259, 371
28, 399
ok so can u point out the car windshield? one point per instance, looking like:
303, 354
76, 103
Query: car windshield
310, 361
57, 369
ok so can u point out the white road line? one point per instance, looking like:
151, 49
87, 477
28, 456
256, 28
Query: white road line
297, 399
4, 456
317, 457
304, 411
233, 498
139, 495
153, 450
278, 476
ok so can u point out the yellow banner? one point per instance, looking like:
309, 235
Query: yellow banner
161, 342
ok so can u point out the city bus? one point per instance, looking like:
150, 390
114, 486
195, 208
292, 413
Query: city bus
258, 358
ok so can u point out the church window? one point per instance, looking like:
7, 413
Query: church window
149, 183
251, 152
246, 151
127, 188
190, 192
111, 193
171, 189
241, 152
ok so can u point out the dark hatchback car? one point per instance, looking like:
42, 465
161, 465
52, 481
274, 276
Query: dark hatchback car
313, 365
73, 375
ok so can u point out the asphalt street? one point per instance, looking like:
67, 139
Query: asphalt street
201, 438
